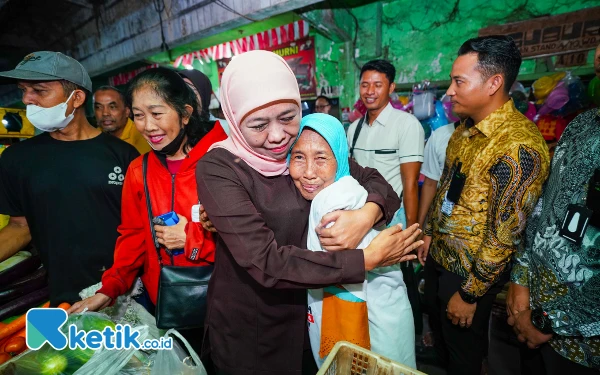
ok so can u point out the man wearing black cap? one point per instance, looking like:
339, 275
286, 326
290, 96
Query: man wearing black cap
63, 187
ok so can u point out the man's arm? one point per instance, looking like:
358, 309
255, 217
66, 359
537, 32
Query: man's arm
409, 173
14, 237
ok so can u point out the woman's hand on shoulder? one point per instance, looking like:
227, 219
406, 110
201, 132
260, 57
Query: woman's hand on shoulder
392, 246
349, 227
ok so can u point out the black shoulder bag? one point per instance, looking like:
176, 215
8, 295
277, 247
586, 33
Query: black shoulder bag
356, 134
182, 291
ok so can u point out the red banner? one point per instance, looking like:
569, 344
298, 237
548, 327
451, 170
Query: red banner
265, 40
123, 78
300, 56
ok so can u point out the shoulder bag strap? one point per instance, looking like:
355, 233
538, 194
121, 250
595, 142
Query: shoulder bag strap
356, 134
149, 207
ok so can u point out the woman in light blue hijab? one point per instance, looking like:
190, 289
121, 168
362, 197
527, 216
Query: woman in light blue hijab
319, 167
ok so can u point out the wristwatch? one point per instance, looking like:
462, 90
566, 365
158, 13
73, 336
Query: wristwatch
468, 298
541, 321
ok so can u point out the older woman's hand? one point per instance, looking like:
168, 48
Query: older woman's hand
392, 246
172, 237
349, 228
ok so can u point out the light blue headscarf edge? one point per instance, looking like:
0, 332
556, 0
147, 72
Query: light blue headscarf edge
332, 130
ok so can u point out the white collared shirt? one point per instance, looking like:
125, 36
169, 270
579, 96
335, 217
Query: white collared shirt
435, 152
394, 138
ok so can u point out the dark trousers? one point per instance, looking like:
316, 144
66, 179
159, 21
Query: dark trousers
546, 361
460, 350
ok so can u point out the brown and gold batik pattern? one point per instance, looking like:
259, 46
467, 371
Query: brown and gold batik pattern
506, 161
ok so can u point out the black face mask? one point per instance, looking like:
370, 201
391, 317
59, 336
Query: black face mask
172, 148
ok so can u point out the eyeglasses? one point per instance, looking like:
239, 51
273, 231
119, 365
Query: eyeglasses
322, 106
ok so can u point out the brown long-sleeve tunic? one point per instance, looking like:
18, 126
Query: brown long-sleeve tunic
256, 318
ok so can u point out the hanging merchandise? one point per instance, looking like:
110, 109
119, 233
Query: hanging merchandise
549, 124
578, 99
439, 119
359, 111
519, 96
423, 100
557, 98
447, 104
593, 91
531, 111
544, 86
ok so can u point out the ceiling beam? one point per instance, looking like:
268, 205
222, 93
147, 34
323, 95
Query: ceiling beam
126, 36
81, 3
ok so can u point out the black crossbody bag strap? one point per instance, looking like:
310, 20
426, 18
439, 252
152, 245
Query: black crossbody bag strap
356, 134
149, 207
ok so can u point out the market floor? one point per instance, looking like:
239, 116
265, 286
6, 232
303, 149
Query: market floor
503, 351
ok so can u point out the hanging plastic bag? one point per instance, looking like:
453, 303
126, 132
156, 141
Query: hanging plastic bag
447, 103
593, 91
556, 99
179, 360
423, 100
439, 119
543, 86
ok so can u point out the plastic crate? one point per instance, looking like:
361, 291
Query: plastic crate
349, 359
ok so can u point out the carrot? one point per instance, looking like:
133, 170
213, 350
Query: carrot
65, 306
15, 345
4, 357
16, 325
21, 333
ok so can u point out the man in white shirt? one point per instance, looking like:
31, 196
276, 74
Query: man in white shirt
388, 139
433, 166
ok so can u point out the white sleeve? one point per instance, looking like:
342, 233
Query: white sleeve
412, 140
431, 167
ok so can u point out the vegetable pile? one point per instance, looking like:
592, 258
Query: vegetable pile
23, 284
49, 361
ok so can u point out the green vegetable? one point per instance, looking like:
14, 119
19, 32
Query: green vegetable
78, 357
54, 365
88, 322
15, 259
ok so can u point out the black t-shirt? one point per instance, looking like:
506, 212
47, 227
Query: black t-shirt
70, 194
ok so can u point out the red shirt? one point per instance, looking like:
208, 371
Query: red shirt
135, 249
174, 165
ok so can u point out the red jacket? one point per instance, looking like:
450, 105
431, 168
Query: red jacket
135, 248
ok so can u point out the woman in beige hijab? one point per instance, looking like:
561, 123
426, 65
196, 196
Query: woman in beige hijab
257, 314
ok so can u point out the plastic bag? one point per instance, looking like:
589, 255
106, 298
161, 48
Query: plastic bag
447, 103
106, 362
593, 91
178, 360
544, 85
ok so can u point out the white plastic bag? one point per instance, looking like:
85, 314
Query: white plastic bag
180, 361
106, 362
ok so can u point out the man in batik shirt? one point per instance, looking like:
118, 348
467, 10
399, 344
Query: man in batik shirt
554, 298
496, 163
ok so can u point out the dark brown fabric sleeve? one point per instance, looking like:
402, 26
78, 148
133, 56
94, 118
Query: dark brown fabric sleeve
252, 244
379, 190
